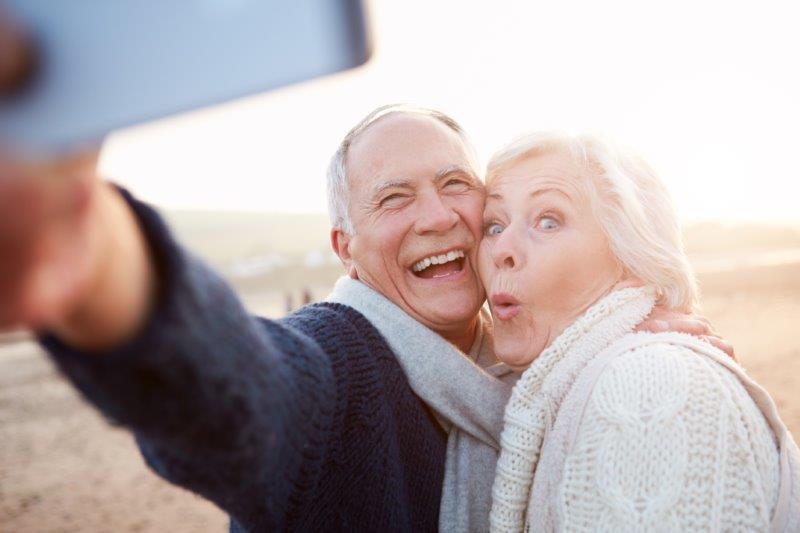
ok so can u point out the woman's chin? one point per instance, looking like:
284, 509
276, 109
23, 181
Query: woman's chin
515, 355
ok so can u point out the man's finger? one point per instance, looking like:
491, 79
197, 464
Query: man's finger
689, 326
702, 319
721, 344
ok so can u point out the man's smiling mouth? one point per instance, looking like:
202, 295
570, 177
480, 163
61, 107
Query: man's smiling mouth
439, 265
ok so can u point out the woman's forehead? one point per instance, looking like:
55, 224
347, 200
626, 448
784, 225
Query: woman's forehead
553, 161
528, 176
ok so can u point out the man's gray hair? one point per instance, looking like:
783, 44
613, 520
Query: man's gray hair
338, 187
631, 204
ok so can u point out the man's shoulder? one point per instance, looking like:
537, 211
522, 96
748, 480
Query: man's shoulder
336, 327
329, 317
325, 310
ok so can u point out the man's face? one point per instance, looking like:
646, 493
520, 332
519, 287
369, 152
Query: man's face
416, 207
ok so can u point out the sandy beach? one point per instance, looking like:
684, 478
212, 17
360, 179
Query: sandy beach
63, 468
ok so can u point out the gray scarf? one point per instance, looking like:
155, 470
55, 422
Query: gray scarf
468, 401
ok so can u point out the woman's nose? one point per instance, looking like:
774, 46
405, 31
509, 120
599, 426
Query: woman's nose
505, 251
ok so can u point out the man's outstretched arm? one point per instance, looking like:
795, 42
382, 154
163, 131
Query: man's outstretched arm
235, 408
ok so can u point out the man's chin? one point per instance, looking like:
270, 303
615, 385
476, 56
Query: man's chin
442, 311
445, 300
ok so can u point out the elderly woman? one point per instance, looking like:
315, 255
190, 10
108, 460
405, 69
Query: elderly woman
608, 429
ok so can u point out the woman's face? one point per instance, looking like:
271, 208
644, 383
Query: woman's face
544, 258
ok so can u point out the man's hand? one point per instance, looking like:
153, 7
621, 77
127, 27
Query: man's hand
662, 319
72, 259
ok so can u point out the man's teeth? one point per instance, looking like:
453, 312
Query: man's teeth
437, 260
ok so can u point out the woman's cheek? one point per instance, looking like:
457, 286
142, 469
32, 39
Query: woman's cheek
554, 270
547, 269
484, 263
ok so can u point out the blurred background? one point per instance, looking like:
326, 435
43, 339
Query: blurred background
706, 91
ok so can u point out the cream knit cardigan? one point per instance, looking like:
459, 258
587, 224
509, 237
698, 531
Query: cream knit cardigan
610, 430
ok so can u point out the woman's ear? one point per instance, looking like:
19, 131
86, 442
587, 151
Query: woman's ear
628, 283
628, 279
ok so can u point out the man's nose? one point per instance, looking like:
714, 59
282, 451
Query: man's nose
506, 252
435, 216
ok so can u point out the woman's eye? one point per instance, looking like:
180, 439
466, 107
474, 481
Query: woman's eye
547, 223
492, 229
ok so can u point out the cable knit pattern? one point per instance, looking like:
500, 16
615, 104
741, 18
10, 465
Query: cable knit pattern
302, 424
637, 445
669, 443
638, 432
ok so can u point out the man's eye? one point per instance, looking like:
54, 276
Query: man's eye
456, 185
492, 229
547, 223
393, 200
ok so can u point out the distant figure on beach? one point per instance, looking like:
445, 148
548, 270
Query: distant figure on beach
288, 302
306, 296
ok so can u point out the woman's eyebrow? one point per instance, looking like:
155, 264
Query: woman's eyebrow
540, 192
534, 194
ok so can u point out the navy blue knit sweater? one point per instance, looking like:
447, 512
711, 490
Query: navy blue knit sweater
302, 424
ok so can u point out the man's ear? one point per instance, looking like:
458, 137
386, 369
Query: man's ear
340, 242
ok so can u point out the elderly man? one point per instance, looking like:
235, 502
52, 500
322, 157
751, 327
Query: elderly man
306, 423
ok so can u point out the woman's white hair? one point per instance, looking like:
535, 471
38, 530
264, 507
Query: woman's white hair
338, 189
629, 201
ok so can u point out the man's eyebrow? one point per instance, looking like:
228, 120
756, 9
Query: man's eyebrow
441, 174
455, 169
391, 184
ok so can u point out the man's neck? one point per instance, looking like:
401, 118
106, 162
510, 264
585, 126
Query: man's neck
463, 337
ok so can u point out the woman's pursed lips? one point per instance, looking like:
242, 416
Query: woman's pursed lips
504, 306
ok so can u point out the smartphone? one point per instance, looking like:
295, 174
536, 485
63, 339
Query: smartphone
104, 64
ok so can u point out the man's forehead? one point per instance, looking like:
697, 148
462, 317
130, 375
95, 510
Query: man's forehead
403, 147
394, 126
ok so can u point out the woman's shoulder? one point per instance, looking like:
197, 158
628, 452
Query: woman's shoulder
647, 378
672, 426
669, 367
667, 357
656, 379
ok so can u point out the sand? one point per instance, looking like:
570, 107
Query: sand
64, 468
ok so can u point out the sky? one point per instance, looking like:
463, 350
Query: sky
706, 91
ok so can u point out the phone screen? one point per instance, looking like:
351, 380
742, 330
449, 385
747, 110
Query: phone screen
102, 65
